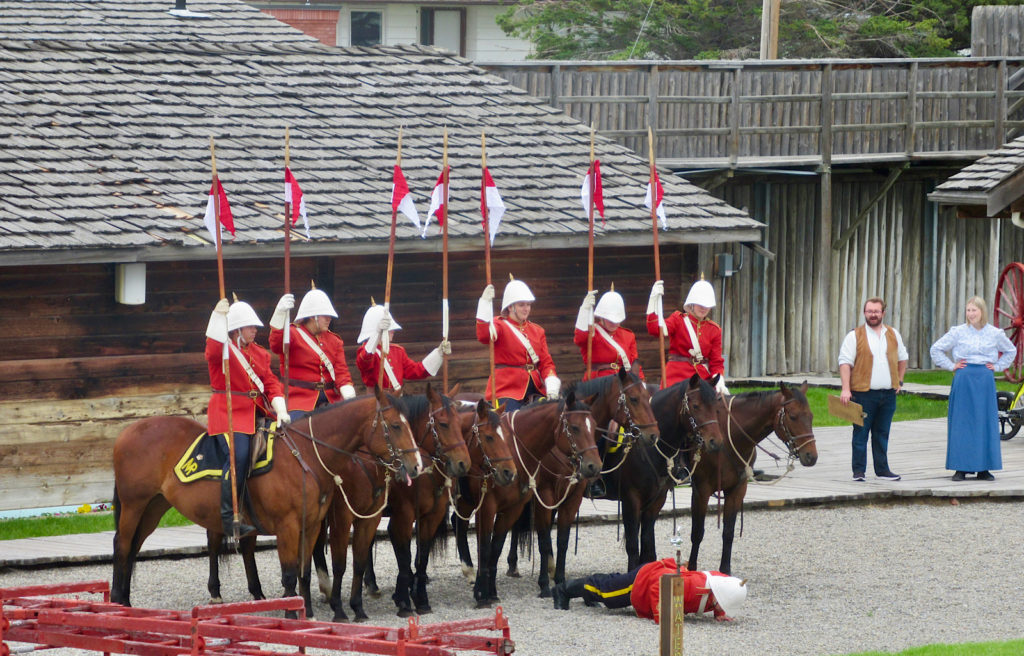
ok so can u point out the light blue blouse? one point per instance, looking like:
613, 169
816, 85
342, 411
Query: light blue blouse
975, 346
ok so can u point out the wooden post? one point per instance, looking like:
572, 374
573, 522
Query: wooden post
671, 610
285, 351
444, 260
225, 361
657, 251
385, 341
487, 265
590, 253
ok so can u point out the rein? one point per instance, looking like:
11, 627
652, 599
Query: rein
487, 474
340, 483
576, 458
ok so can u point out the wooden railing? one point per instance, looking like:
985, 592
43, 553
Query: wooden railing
729, 114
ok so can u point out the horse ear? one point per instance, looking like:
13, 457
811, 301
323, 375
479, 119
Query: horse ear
501, 409
590, 399
623, 375
787, 392
694, 380
455, 389
803, 388
432, 394
379, 393
481, 409
570, 397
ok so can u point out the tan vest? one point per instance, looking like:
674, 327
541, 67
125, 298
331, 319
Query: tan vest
860, 379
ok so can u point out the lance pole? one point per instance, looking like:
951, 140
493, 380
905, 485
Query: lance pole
487, 264
385, 341
590, 252
444, 260
225, 362
657, 253
287, 271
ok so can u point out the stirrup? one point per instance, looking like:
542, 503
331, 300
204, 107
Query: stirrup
597, 489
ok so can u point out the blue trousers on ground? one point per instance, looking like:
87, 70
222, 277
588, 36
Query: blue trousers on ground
612, 590
879, 407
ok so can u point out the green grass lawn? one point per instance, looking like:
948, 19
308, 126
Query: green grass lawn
943, 377
71, 524
907, 406
1009, 648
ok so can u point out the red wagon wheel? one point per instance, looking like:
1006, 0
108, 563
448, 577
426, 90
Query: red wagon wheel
1009, 314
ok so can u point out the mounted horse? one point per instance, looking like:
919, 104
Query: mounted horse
534, 430
748, 418
687, 415
622, 398
288, 502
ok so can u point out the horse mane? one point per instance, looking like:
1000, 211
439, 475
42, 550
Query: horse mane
592, 386
414, 406
764, 395
337, 404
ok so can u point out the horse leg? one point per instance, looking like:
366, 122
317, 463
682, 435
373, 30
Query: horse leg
648, 552
462, 544
135, 523
496, 545
362, 542
428, 532
542, 522
733, 501
513, 552
698, 511
370, 577
338, 538
400, 533
631, 530
247, 546
484, 536
214, 542
323, 577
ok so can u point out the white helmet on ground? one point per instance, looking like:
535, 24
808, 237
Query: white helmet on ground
515, 292
240, 315
315, 304
611, 307
702, 293
729, 591
371, 321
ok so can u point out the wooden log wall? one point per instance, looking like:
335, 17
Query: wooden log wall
997, 31
922, 260
77, 367
726, 112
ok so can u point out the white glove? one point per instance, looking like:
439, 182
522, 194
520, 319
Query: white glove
217, 328
590, 300
484, 308
586, 313
280, 317
552, 385
446, 347
347, 392
277, 403
720, 386
488, 293
657, 292
432, 363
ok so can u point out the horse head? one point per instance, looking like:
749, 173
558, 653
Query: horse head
633, 409
483, 432
575, 437
794, 424
390, 437
698, 411
445, 426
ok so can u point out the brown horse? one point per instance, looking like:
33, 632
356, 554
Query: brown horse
536, 429
289, 501
623, 398
748, 418
366, 495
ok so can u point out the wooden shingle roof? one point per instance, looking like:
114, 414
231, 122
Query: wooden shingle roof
993, 182
107, 108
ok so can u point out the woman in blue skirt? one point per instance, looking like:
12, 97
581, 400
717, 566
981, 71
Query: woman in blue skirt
972, 431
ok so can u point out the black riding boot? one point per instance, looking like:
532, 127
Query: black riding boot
563, 592
226, 514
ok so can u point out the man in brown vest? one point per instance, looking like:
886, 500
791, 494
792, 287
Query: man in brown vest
872, 361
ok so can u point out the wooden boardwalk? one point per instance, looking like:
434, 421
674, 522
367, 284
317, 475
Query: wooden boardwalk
917, 451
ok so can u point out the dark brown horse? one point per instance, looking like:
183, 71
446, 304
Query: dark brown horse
359, 503
747, 419
622, 398
566, 425
288, 501
687, 415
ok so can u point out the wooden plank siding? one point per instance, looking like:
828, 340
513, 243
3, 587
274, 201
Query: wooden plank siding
77, 367
752, 112
924, 261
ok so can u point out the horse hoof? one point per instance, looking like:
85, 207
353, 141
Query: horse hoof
340, 617
513, 572
545, 593
361, 617
215, 600
373, 592
406, 612
291, 615
483, 603
494, 600
424, 610
469, 572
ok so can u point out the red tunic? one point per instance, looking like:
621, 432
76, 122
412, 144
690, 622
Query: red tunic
305, 365
403, 367
243, 406
645, 593
605, 358
513, 366
709, 334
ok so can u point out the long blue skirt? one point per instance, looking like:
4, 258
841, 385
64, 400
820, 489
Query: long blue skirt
972, 431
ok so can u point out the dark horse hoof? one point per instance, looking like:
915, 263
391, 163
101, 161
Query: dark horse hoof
406, 612
545, 593
372, 590
361, 617
513, 572
483, 603
340, 617
425, 609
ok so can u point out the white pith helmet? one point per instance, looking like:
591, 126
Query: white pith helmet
371, 320
240, 315
702, 293
611, 307
315, 304
729, 591
515, 292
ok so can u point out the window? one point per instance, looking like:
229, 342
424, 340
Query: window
444, 28
366, 28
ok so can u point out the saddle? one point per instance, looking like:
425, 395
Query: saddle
202, 458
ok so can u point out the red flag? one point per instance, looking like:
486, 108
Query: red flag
491, 206
437, 203
293, 195
401, 199
659, 194
226, 219
595, 170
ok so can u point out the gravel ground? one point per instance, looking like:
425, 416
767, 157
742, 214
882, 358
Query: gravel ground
821, 580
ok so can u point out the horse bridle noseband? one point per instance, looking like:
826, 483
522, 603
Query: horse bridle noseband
576, 456
684, 407
489, 469
440, 449
635, 429
396, 453
787, 435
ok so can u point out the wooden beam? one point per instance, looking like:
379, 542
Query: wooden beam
760, 250
894, 175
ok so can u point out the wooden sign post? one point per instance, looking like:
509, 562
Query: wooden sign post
671, 611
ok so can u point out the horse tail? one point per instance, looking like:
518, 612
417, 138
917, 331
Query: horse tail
522, 529
116, 503
438, 543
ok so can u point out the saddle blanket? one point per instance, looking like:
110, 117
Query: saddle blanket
203, 459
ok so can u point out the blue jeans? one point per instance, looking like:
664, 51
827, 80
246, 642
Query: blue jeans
879, 407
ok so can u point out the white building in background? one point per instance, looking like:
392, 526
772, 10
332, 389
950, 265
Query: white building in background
466, 27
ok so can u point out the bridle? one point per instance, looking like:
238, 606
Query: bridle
439, 458
488, 469
395, 463
575, 457
623, 411
782, 430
